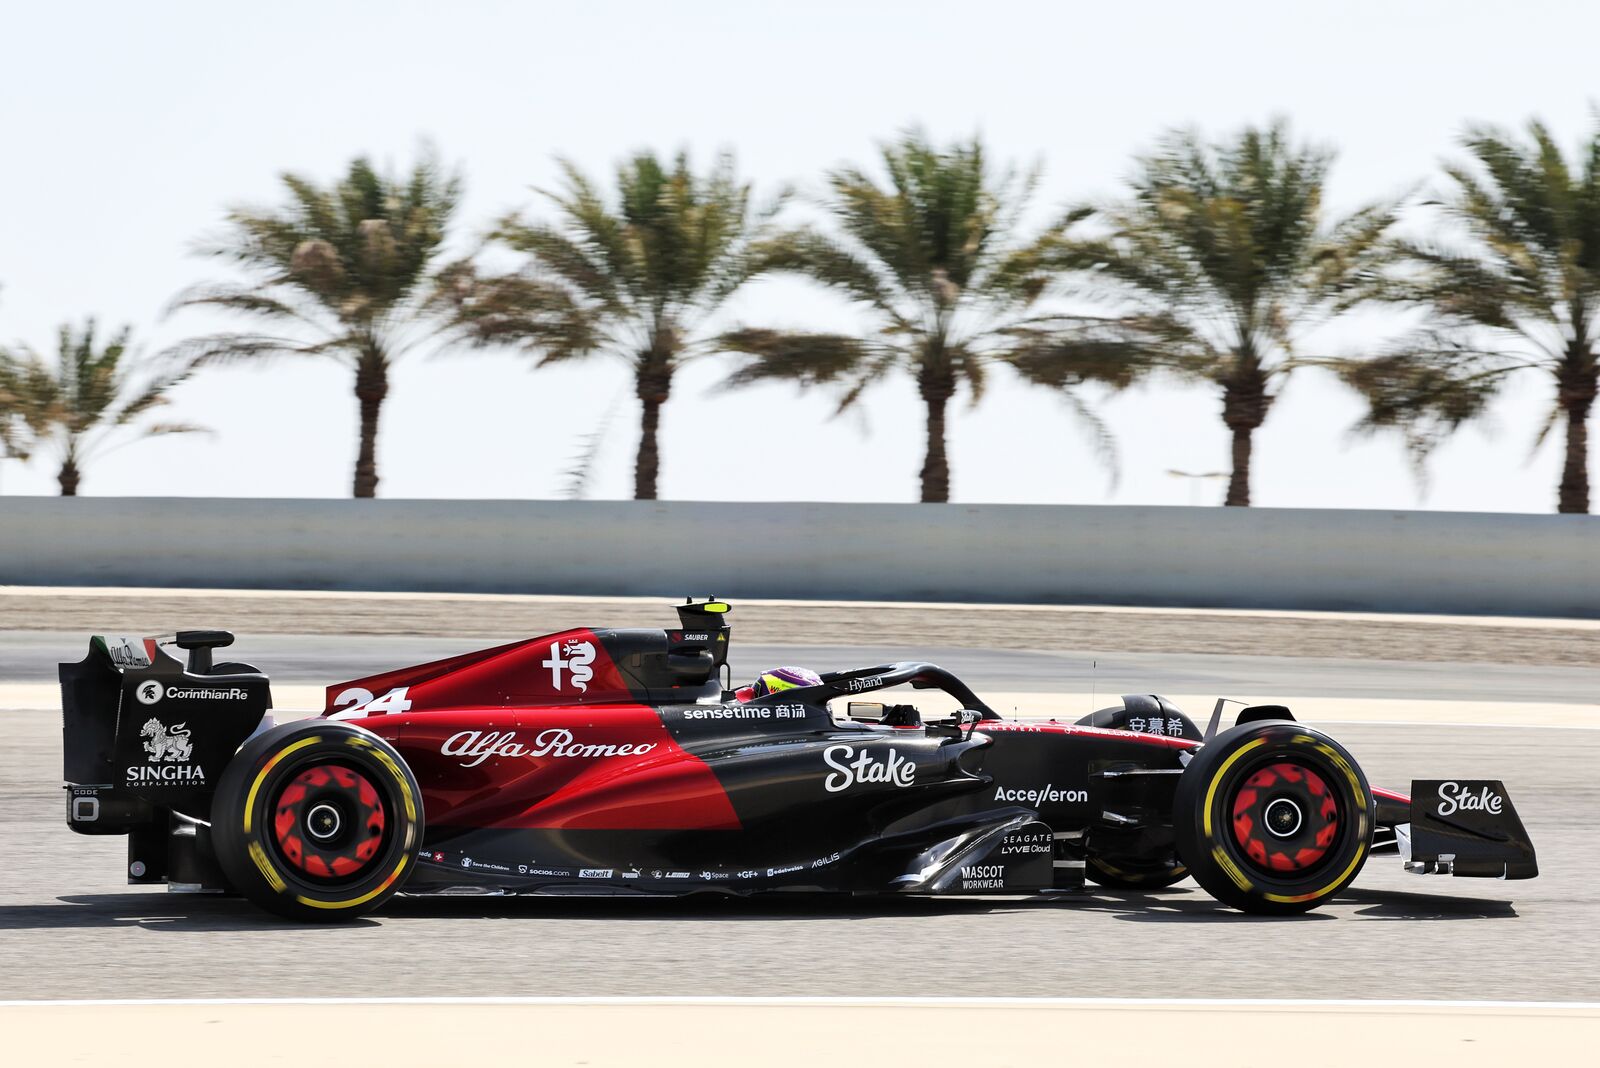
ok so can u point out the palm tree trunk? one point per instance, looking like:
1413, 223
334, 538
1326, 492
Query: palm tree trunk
1244, 409
936, 392
69, 477
372, 386
653, 383
1576, 395
1239, 480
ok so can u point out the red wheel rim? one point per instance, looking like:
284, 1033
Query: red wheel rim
1285, 817
328, 821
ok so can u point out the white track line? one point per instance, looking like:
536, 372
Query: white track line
800, 1032
841, 1002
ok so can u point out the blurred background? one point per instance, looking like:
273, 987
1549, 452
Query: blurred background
134, 131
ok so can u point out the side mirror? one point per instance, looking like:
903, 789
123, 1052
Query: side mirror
958, 728
865, 711
696, 666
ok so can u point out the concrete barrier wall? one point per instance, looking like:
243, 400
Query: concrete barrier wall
1255, 558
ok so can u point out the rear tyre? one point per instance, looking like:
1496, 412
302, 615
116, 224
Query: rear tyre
1121, 874
1273, 818
317, 821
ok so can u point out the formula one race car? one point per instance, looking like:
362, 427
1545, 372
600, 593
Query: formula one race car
617, 762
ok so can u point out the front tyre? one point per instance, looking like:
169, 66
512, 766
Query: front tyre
317, 821
1273, 818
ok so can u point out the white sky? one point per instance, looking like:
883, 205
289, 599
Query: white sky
129, 128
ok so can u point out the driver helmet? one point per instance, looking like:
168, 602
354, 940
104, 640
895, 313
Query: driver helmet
776, 680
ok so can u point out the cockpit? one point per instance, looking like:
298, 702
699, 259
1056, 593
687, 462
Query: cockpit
849, 687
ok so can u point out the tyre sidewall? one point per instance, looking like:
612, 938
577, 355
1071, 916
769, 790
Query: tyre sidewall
1214, 858
242, 820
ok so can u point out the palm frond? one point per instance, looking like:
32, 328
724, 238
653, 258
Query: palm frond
265, 305
229, 348
634, 274
566, 259
824, 260
1098, 435
580, 475
159, 429
521, 310
1423, 389
1063, 353
16, 432
343, 267
806, 358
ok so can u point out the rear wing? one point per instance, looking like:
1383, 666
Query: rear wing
144, 732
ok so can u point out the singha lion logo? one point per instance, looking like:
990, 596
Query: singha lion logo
164, 743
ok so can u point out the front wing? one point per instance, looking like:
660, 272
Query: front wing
1465, 827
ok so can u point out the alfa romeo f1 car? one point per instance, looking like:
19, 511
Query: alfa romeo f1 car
618, 762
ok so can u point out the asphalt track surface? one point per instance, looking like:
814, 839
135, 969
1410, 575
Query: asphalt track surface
69, 928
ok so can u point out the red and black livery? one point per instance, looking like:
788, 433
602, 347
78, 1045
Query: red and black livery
619, 762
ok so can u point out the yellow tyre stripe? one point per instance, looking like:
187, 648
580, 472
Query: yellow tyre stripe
1349, 773
1107, 866
250, 798
1211, 791
364, 898
1224, 861
394, 769
268, 872
1361, 852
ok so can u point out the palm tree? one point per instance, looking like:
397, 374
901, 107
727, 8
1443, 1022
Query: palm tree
637, 279
1518, 288
1221, 260
336, 272
937, 261
90, 398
